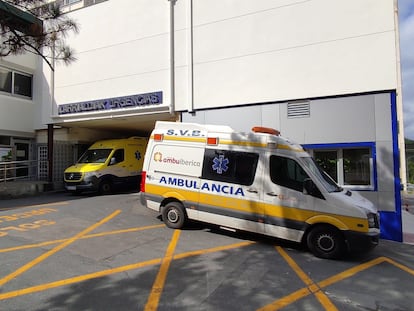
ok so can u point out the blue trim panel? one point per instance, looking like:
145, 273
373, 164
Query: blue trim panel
370, 145
391, 222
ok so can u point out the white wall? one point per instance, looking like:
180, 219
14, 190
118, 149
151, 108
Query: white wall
271, 50
16, 113
122, 49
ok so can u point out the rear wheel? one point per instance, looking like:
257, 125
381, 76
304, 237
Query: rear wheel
174, 215
326, 242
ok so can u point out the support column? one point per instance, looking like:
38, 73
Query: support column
50, 152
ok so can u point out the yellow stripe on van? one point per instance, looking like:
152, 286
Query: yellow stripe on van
170, 192
313, 217
255, 207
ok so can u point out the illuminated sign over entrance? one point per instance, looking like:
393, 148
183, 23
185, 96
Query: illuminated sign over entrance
131, 101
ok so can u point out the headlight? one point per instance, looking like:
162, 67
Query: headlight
88, 175
373, 220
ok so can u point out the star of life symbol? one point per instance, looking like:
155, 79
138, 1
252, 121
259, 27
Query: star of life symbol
220, 164
137, 155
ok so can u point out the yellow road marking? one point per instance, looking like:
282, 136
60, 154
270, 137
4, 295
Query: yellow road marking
303, 292
211, 250
81, 278
54, 250
158, 286
85, 277
312, 287
350, 272
37, 205
89, 236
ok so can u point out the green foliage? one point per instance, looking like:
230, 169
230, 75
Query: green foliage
45, 36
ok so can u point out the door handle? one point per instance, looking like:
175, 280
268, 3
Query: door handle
272, 194
251, 190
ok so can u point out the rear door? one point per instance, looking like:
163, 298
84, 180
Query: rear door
174, 171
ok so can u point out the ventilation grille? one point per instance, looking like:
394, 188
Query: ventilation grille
298, 110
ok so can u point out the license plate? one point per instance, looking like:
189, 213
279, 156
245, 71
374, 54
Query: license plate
71, 187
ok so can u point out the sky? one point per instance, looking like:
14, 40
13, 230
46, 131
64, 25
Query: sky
406, 27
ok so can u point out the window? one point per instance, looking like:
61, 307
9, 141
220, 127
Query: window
95, 156
287, 173
350, 165
5, 80
15, 83
117, 157
230, 166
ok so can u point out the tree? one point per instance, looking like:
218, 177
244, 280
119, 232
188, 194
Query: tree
35, 26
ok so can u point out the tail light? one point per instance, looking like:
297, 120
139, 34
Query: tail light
143, 177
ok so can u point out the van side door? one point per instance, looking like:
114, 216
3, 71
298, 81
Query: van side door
230, 190
286, 206
116, 164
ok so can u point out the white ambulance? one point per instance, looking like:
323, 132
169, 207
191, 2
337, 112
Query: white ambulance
258, 182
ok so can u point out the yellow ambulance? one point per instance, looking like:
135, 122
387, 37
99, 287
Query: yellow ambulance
258, 182
107, 165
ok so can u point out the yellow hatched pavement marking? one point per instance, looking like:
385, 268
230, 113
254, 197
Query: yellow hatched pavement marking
315, 288
98, 274
89, 236
157, 288
54, 250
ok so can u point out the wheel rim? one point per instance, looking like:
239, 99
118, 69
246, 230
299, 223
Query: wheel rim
173, 215
326, 242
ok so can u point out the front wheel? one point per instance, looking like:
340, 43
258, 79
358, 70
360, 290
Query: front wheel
173, 215
105, 187
326, 242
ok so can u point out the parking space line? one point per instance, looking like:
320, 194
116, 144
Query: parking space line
54, 250
158, 286
89, 236
98, 274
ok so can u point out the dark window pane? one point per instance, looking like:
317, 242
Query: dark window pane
327, 160
356, 166
287, 173
5, 80
230, 166
22, 85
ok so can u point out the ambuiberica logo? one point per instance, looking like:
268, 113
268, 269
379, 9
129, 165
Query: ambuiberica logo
158, 157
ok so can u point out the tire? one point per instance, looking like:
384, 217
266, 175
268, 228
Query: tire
105, 187
174, 216
326, 242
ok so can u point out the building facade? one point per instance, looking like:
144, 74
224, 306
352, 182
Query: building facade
326, 74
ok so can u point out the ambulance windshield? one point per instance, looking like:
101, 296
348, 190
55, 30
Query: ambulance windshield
95, 156
323, 177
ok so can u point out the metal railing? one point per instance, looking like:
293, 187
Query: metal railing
18, 170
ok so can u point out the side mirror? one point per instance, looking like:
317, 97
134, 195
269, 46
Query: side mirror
113, 161
308, 186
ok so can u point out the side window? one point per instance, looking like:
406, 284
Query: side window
287, 173
230, 166
117, 157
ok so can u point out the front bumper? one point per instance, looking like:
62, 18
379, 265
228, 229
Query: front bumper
90, 184
361, 242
